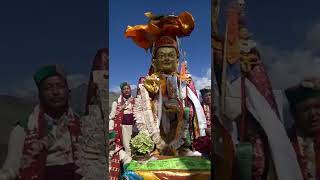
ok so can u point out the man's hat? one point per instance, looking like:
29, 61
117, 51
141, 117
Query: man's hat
309, 88
47, 71
205, 91
122, 85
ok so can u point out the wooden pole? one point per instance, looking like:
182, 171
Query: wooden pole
215, 16
224, 75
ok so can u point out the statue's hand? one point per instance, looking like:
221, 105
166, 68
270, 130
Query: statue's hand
172, 105
158, 141
152, 83
161, 145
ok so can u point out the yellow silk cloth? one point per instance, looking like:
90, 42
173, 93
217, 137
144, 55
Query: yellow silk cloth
174, 175
143, 35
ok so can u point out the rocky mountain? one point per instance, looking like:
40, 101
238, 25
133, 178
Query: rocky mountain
12, 110
113, 96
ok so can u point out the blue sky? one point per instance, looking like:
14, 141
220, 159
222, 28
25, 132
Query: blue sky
35, 33
282, 24
128, 62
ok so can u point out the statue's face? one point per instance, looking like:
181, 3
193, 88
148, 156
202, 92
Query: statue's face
166, 60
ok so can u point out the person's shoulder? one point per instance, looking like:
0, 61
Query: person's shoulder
25, 121
114, 103
19, 128
22, 123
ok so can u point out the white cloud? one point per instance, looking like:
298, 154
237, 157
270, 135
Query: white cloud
117, 89
28, 88
133, 86
313, 38
75, 80
288, 67
317, 60
114, 89
204, 81
208, 73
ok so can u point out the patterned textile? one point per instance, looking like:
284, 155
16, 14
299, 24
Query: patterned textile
207, 112
258, 76
170, 168
307, 151
259, 157
92, 155
37, 131
114, 171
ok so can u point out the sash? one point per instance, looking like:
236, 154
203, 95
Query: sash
36, 129
114, 171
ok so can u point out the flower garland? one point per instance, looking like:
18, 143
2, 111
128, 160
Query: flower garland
146, 120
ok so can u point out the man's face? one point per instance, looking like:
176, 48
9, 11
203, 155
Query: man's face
166, 60
126, 91
244, 33
308, 115
54, 92
207, 98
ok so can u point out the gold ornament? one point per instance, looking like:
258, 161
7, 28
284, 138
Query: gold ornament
152, 84
248, 61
